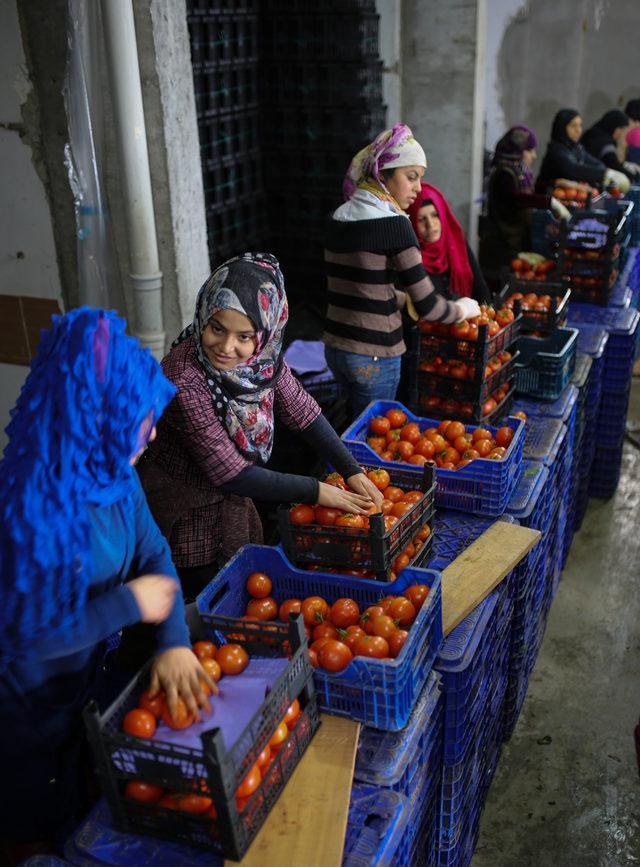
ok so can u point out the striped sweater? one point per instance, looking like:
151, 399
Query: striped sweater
363, 259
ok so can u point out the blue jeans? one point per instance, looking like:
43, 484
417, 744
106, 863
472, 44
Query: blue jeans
363, 378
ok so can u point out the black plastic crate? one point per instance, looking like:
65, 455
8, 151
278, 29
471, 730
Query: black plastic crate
534, 319
476, 390
222, 7
214, 771
221, 90
319, 36
322, 127
371, 550
222, 39
233, 179
232, 136
322, 82
613, 218
435, 340
447, 408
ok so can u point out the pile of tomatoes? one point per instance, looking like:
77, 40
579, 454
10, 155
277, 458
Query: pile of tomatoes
196, 803
531, 303
340, 631
467, 329
525, 271
572, 196
458, 369
449, 446
229, 659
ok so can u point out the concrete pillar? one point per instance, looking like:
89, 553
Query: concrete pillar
443, 96
390, 54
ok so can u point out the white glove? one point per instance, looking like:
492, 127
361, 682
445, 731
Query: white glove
467, 308
618, 179
634, 168
560, 211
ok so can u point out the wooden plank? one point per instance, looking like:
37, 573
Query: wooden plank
309, 821
481, 567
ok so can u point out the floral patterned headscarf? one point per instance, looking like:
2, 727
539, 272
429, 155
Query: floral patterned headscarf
243, 397
390, 149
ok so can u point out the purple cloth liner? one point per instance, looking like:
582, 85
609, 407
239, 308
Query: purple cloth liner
306, 356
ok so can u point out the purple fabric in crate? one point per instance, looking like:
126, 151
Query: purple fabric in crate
306, 356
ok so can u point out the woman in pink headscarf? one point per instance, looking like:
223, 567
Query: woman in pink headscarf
446, 256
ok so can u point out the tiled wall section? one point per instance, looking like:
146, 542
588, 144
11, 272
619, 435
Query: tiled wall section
21, 321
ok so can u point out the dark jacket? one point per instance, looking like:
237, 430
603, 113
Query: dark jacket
599, 142
572, 162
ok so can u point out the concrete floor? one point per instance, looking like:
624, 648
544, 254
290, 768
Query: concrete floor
567, 790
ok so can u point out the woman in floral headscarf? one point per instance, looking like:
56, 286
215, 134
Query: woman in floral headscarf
216, 435
371, 248
511, 199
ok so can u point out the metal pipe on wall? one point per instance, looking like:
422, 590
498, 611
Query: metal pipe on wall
131, 136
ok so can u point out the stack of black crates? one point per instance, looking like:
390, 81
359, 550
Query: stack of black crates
286, 93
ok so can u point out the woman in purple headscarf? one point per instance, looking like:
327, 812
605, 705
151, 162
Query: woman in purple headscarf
511, 198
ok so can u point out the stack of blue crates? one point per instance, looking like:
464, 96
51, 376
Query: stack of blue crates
376, 826
582, 381
622, 327
409, 763
633, 195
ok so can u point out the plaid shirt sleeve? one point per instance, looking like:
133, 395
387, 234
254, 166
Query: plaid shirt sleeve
295, 407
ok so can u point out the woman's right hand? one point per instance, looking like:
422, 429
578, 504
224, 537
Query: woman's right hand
154, 595
467, 308
346, 501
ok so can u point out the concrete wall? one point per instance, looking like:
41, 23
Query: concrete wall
442, 53
552, 54
28, 264
390, 53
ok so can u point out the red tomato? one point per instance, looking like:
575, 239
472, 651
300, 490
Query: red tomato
483, 447
141, 791
346, 519
313, 657
423, 533
424, 447
182, 718
336, 480
439, 442
451, 455
413, 497
481, 433
379, 477
454, 430
212, 668
344, 612
140, 723
289, 606
279, 736
232, 659
263, 759
352, 636
302, 514
401, 562
383, 625
378, 444
392, 493
488, 406
370, 614
324, 630
503, 436
292, 714
250, 783
403, 449
326, 515
372, 646
152, 704
411, 433
520, 415
386, 506
259, 585
416, 594
396, 417
195, 804
460, 329
263, 609
379, 425
497, 454
402, 610
389, 522
334, 656
396, 642
401, 508
417, 460
314, 610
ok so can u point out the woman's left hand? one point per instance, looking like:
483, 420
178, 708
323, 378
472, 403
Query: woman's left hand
178, 672
361, 484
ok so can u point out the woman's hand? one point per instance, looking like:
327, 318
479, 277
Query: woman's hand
362, 484
154, 595
178, 672
346, 501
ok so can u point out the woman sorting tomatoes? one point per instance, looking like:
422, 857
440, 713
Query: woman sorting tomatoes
217, 434
370, 246
75, 525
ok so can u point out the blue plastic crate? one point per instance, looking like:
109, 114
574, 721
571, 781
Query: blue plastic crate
621, 294
544, 438
467, 663
376, 826
612, 417
531, 501
564, 408
622, 326
581, 379
453, 532
97, 842
545, 233
379, 693
546, 364
605, 471
481, 487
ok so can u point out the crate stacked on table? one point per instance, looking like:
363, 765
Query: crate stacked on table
565, 408
547, 441
376, 827
482, 487
321, 101
621, 325
409, 763
210, 761
633, 195
225, 59
546, 364
465, 372
474, 664
378, 693
591, 247
531, 505
544, 303
581, 379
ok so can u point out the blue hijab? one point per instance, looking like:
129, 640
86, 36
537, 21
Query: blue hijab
87, 406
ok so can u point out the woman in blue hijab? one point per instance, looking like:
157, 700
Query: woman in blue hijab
74, 524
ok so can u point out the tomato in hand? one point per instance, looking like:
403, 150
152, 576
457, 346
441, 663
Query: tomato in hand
344, 612
204, 650
232, 659
302, 514
259, 585
263, 609
140, 723
314, 610
141, 791
152, 704
334, 656
182, 718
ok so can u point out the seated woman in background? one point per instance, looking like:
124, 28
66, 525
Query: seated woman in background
446, 256
511, 198
372, 260
632, 138
566, 158
602, 139
232, 380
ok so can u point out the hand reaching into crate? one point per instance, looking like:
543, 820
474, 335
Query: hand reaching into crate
179, 673
347, 501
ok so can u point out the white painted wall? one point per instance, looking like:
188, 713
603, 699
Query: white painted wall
28, 263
